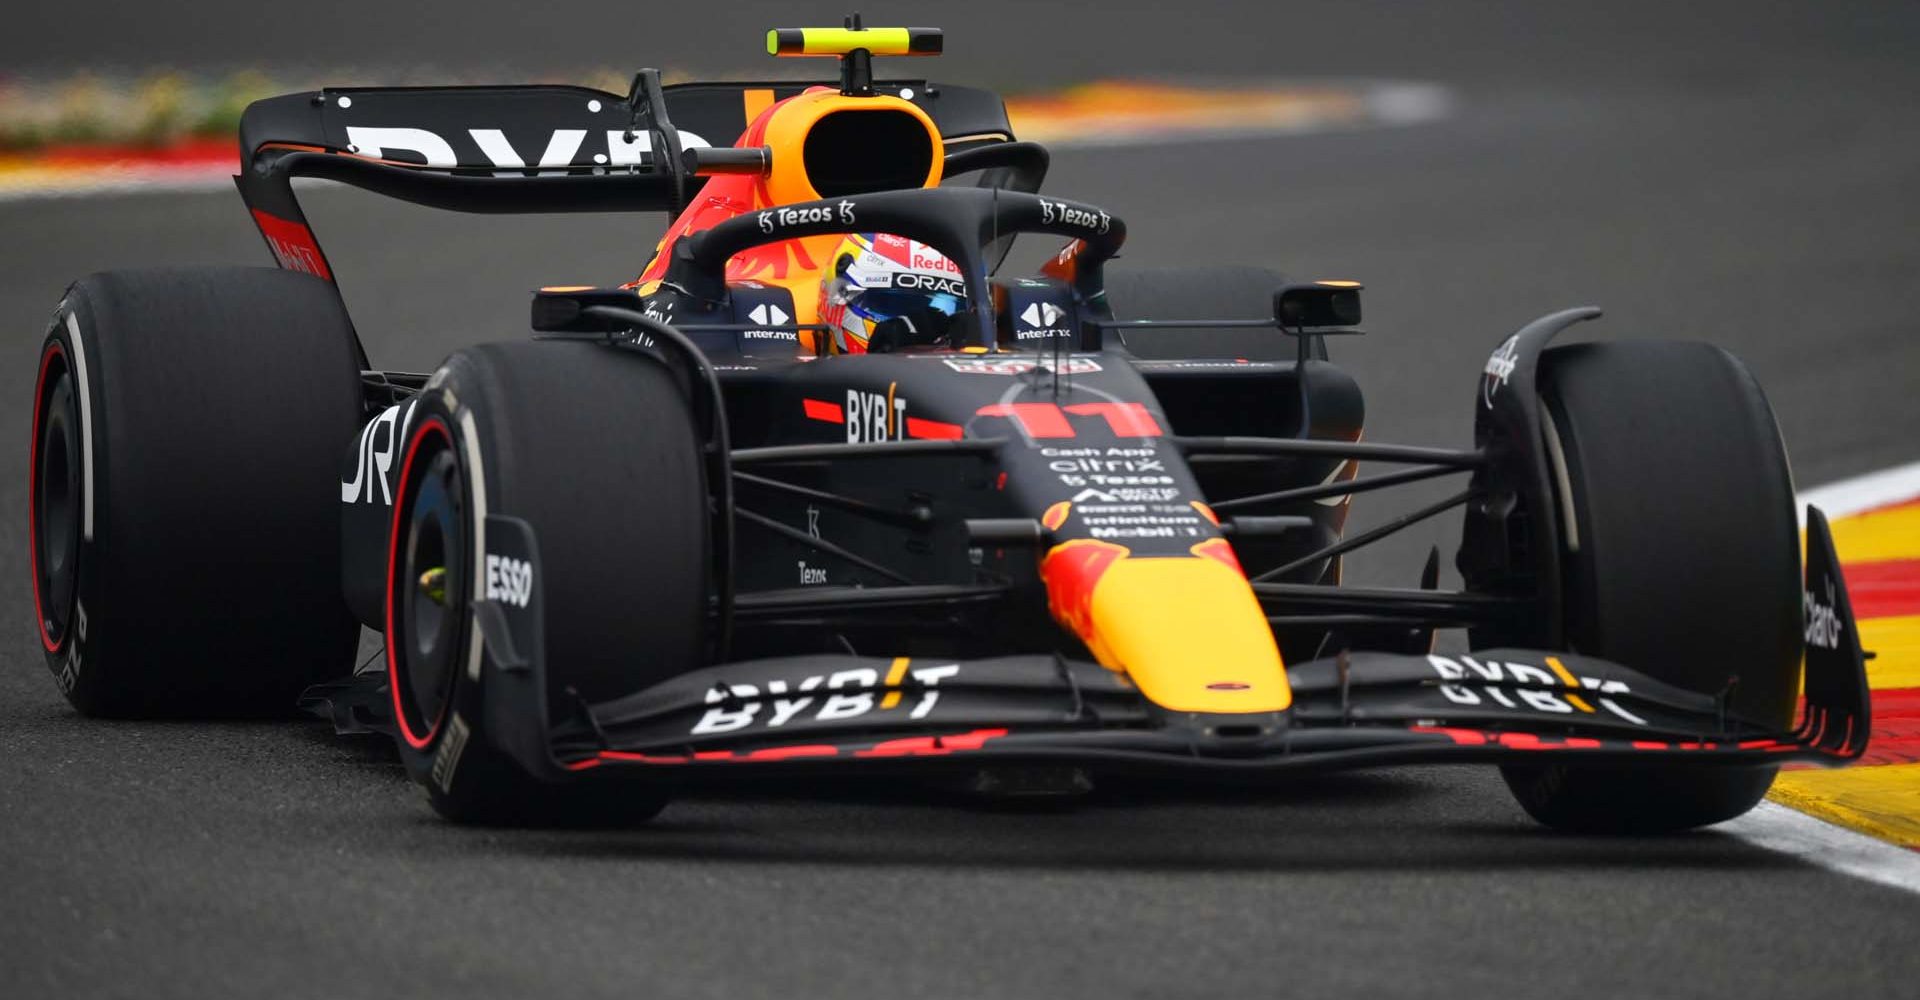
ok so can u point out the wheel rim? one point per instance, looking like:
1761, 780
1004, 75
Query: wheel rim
428, 576
54, 507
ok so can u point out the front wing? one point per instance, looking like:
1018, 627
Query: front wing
850, 714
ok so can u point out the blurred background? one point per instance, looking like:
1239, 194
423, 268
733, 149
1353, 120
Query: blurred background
1739, 172
1746, 173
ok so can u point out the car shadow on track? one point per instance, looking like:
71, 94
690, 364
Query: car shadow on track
1402, 820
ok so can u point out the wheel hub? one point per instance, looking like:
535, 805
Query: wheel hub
430, 580
56, 505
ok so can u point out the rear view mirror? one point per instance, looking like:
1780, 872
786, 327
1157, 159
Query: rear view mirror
562, 309
1319, 307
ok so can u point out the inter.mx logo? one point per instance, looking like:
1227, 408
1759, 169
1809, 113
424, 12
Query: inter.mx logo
1042, 314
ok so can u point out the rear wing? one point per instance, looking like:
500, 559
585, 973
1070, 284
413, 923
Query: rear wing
524, 148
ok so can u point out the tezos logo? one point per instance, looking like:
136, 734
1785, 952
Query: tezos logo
1499, 368
1823, 620
1095, 220
509, 581
774, 218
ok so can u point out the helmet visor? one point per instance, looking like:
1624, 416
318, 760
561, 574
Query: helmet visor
879, 304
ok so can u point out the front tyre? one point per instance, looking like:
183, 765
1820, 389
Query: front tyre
596, 450
1681, 560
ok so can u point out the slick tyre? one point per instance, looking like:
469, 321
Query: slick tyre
1681, 559
596, 450
183, 518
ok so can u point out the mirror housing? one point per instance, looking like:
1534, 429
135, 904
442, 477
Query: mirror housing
1318, 307
561, 309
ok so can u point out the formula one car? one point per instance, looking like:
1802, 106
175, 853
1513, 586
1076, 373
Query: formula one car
822, 493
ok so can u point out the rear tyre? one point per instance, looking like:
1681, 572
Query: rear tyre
183, 516
597, 450
1682, 560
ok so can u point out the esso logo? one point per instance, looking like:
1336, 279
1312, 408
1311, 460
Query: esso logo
509, 580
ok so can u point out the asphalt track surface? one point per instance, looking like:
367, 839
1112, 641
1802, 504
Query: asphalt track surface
1741, 173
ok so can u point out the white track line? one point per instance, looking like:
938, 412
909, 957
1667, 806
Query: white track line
1778, 828
1875, 489
1789, 831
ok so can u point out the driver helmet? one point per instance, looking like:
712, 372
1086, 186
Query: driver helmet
887, 292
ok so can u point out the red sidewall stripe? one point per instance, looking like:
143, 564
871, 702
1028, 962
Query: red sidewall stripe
431, 424
53, 350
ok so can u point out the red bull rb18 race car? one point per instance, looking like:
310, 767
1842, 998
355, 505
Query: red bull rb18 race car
821, 491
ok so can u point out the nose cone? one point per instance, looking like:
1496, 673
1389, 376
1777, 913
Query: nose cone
1187, 630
